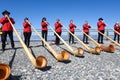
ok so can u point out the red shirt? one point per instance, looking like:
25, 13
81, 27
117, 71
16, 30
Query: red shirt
58, 27
101, 25
6, 26
86, 27
72, 27
27, 27
44, 26
117, 28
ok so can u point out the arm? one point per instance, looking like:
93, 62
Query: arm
12, 20
3, 20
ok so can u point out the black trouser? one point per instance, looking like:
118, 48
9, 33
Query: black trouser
27, 36
57, 38
85, 38
71, 37
44, 35
4, 35
100, 36
115, 35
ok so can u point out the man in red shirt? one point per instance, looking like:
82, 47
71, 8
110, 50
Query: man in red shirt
117, 28
44, 25
86, 27
6, 29
101, 27
72, 26
27, 32
58, 29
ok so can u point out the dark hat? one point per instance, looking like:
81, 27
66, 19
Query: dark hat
5, 12
44, 18
100, 19
26, 18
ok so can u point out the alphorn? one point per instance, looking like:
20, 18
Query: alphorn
108, 38
77, 52
93, 51
110, 48
4, 71
113, 30
60, 57
39, 62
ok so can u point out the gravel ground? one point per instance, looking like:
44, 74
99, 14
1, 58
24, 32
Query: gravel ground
105, 66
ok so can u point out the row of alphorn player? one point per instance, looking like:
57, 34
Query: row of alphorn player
7, 29
41, 61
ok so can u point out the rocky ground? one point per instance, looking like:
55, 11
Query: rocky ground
105, 66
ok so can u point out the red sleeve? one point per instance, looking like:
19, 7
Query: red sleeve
25, 24
3, 20
85, 26
89, 26
72, 25
104, 24
12, 20
56, 25
98, 24
43, 24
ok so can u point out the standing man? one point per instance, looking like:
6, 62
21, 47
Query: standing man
44, 25
27, 32
101, 27
58, 29
86, 27
117, 28
7, 28
72, 27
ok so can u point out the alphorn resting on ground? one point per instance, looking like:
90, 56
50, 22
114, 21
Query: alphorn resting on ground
60, 57
93, 51
109, 38
39, 62
78, 52
110, 48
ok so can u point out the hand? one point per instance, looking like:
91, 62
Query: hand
6, 15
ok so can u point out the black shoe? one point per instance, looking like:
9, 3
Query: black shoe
3, 50
87, 42
102, 43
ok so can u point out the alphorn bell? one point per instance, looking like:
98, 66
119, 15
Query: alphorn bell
110, 48
39, 62
60, 57
4, 71
77, 52
93, 51
108, 38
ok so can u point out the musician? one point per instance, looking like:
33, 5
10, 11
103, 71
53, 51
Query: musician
27, 32
86, 28
6, 29
117, 28
58, 29
101, 27
44, 25
72, 26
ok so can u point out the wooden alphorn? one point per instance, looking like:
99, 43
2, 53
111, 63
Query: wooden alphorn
110, 48
93, 51
60, 57
113, 29
40, 61
4, 71
77, 52
108, 38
